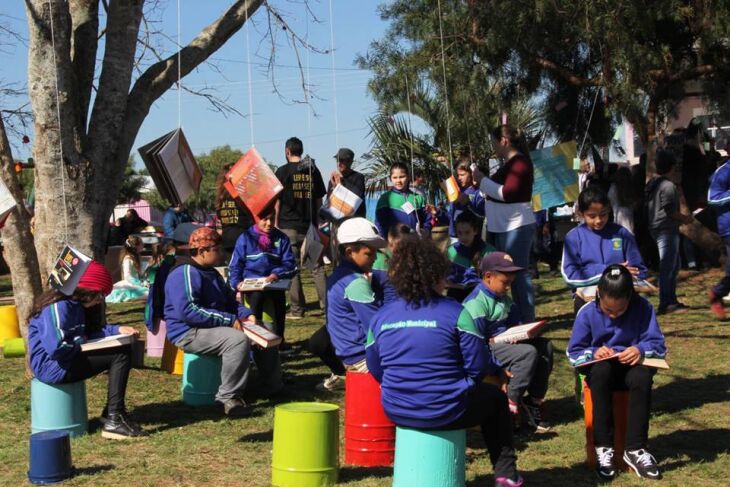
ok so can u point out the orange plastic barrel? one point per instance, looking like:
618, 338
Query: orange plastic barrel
620, 419
369, 434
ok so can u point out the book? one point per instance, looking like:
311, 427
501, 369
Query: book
451, 188
341, 203
108, 342
520, 333
656, 363
260, 335
70, 266
7, 202
588, 293
253, 182
172, 166
312, 248
259, 284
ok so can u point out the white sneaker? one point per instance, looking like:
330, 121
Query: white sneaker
332, 383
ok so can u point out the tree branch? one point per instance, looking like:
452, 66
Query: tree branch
567, 74
84, 42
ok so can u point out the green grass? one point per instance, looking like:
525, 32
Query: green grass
197, 446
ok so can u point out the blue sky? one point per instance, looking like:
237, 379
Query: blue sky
356, 24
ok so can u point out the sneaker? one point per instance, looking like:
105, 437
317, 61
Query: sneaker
332, 383
605, 468
294, 316
643, 463
673, 308
509, 482
235, 407
534, 414
118, 426
716, 305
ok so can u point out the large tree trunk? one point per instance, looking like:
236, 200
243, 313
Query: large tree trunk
18, 249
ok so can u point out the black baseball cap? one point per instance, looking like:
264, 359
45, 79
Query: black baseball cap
345, 154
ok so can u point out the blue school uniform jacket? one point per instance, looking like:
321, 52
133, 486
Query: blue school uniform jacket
636, 327
198, 297
155, 307
383, 288
461, 257
586, 253
719, 196
390, 211
492, 314
250, 261
427, 359
475, 205
351, 304
55, 337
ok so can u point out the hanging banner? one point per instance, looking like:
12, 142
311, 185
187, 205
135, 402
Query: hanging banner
556, 183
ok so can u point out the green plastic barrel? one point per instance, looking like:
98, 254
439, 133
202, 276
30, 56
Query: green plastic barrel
306, 445
429, 458
201, 379
13, 347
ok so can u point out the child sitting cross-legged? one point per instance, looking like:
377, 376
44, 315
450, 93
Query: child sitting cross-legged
430, 358
618, 322
528, 363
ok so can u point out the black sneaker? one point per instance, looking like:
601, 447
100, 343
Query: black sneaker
118, 426
604, 465
643, 463
534, 415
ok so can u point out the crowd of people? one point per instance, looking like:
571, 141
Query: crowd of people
423, 322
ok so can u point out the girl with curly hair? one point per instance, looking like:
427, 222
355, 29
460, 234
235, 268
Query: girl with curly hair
430, 359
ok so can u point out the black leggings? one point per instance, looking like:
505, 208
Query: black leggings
256, 300
487, 407
320, 345
117, 361
605, 377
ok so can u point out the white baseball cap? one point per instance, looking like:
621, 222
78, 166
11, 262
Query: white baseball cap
360, 230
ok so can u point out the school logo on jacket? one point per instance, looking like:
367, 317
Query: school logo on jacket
617, 243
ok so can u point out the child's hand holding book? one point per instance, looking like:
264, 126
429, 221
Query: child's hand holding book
630, 356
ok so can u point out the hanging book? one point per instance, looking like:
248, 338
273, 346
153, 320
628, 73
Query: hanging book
7, 202
253, 181
520, 333
451, 188
341, 203
172, 166
70, 266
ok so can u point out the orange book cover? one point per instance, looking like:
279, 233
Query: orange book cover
251, 180
452, 189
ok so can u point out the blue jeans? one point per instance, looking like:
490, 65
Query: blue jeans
518, 244
668, 246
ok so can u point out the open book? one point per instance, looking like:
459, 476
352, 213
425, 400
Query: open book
341, 203
259, 284
588, 293
260, 335
253, 182
108, 342
7, 202
70, 266
520, 333
172, 166
657, 363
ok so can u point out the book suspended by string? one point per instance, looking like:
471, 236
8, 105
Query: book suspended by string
451, 188
253, 182
172, 166
108, 342
260, 335
70, 266
520, 333
7, 203
341, 203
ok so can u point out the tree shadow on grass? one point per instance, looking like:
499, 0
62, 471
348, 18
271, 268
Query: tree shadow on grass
349, 473
258, 437
684, 447
91, 470
682, 394
547, 476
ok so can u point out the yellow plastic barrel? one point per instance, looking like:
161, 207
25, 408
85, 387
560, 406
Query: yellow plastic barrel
9, 322
172, 359
306, 445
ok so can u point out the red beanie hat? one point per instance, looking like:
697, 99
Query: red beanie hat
96, 278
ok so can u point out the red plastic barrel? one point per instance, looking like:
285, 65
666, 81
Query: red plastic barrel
369, 434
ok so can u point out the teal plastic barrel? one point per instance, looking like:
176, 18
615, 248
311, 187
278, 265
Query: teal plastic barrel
201, 379
429, 458
58, 407
306, 445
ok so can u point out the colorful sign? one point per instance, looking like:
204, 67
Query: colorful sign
556, 183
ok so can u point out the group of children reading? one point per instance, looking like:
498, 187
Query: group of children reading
420, 321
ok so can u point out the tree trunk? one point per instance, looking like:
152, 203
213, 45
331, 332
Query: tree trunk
18, 249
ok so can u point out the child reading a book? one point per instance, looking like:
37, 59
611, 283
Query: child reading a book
351, 302
401, 205
430, 358
203, 317
528, 363
263, 251
465, 256
618, 323
381, 283
59, 324
132, 286
597, 243
470, 199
